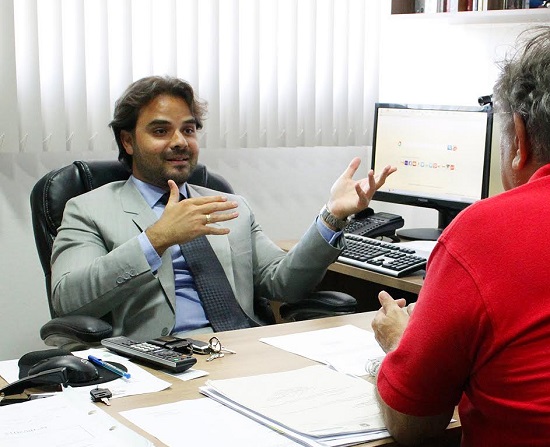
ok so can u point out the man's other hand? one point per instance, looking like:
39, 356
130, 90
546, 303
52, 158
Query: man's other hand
390, 321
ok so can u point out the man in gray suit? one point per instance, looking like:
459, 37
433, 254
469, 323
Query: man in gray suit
118, 250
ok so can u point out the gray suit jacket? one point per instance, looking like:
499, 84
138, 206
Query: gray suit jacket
99, 269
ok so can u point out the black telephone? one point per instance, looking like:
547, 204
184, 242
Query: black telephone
370, 224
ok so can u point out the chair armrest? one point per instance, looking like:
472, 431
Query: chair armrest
75, 332
319, 304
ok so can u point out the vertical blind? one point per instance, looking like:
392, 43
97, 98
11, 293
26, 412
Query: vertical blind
275, 73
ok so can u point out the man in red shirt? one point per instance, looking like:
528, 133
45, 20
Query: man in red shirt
479, 335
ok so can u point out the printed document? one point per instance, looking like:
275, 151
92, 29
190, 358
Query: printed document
62, 420
346, 348
206, 423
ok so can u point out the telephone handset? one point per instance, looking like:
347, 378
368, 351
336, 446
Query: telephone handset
370, 224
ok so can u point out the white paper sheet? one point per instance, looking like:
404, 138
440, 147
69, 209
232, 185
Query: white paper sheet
63, 420
422, 248
345, 348
205, 423
189, 374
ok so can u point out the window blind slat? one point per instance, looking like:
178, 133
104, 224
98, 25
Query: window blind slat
287, 71
249, 74
305, 60
28, 76
97, 75
268, 71
9, 123
121, 51
164, 36
50, 44
142, 46
74, 69
229, 74
324, 76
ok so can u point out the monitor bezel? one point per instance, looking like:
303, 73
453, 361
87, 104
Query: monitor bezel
447, 208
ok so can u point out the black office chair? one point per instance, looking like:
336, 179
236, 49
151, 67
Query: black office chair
48, 199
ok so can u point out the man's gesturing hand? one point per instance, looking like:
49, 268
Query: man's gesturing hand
188, 219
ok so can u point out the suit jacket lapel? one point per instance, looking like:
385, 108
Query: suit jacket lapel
133, 203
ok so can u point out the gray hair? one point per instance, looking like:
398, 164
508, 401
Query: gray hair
523, 87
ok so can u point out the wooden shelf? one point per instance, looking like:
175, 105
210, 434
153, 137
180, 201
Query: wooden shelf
479, 17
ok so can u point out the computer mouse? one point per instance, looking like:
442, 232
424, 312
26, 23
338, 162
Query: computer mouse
79, 370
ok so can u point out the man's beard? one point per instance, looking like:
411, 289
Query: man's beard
160, 176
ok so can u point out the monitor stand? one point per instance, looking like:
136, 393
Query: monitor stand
445, 216
419, 234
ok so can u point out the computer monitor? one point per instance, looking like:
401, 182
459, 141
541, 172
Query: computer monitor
442, 155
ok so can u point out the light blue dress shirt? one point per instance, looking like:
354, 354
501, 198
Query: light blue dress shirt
190, 314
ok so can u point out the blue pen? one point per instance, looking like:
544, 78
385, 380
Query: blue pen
109, 367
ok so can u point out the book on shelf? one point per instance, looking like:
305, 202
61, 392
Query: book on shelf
438, 6
460, 5
492, 5
428, 6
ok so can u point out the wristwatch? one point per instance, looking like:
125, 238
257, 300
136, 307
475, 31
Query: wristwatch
332, 220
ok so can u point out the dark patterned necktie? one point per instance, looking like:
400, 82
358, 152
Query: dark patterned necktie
221, 307
214, 289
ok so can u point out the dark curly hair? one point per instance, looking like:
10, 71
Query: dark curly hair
142, 92
523, 87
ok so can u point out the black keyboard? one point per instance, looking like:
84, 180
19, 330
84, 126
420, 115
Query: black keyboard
149, 353
381, 257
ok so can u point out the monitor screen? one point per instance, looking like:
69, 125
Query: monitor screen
442, 155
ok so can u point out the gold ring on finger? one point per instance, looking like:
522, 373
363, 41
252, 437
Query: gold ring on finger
207, 219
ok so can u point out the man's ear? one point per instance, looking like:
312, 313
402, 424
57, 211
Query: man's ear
127, 140
523, 149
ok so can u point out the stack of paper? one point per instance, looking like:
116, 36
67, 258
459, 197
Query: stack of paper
314, 405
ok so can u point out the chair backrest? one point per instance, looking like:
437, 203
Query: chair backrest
50, 194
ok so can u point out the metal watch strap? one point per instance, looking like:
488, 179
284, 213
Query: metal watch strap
332, 220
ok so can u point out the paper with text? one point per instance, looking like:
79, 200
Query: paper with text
316, 401
345, 348
63, 420
205, 423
